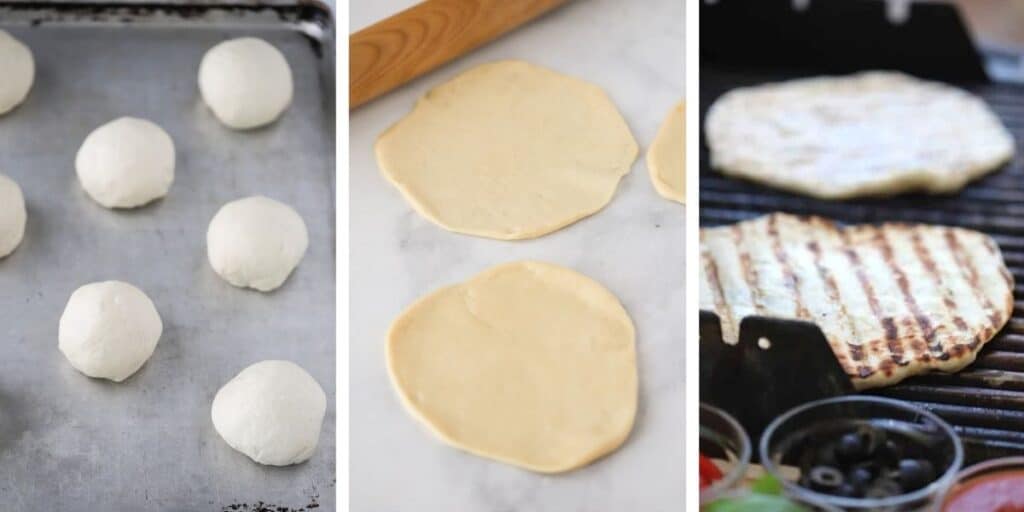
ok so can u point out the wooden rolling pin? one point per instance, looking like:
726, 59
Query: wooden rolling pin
427, 35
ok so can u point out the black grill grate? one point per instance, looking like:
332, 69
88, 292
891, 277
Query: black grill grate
984, 402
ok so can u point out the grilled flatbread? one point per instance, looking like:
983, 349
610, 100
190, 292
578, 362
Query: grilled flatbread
894, 300
867, 134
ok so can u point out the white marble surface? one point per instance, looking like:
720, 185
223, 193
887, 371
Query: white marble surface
634, 247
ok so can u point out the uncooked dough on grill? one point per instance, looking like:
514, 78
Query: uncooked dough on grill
666, 158
109, 329
508, 150
246, 82
867, 134
12, 215
126, 163
256, 242
18, 72
272, 412
527, 363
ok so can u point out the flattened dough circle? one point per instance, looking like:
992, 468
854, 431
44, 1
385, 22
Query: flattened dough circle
527, 363
666, 158
867, 134
508, 150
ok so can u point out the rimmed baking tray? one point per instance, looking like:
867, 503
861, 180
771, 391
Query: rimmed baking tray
72, 443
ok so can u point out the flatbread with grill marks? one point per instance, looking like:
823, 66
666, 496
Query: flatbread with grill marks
893, 300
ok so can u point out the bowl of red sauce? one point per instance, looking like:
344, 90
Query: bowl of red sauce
992, 486
724, 453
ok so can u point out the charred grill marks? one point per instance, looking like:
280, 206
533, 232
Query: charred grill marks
792, 281
835, 277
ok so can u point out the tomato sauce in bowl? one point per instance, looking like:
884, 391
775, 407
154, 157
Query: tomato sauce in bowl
993, 486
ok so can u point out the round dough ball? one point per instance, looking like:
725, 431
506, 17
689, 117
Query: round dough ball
666, 158
508, 150
272, 412
246, 82
109, 329
126, 163
256, 242
527, 363
19, 71
12, 216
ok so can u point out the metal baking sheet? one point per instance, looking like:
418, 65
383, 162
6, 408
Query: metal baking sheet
71, 443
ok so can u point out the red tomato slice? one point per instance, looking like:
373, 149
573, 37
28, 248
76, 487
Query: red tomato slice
709, 472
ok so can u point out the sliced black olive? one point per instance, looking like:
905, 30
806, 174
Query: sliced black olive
849, 490
851, 448
916, 473
825, 479
883, 488
860, 444
862, 474
871, 437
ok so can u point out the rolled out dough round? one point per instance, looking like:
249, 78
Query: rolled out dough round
126, 163
109, 329
666, 158
246, 82
272, 412
256, 242
12, 216
508, 150
527, 363
17, 72
874, 133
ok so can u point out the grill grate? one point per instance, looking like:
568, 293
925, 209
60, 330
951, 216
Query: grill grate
984, 402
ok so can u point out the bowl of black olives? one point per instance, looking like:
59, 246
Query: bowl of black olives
862, 453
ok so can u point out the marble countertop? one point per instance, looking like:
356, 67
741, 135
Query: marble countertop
635, 247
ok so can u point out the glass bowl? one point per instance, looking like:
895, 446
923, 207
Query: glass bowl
791, 434
723, 440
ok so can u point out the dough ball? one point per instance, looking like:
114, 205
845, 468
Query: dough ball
256, 242
508, 150
18, 72
666, 158
271, 412
527, 363
12, 216
126, 163
246, 82
109, 330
